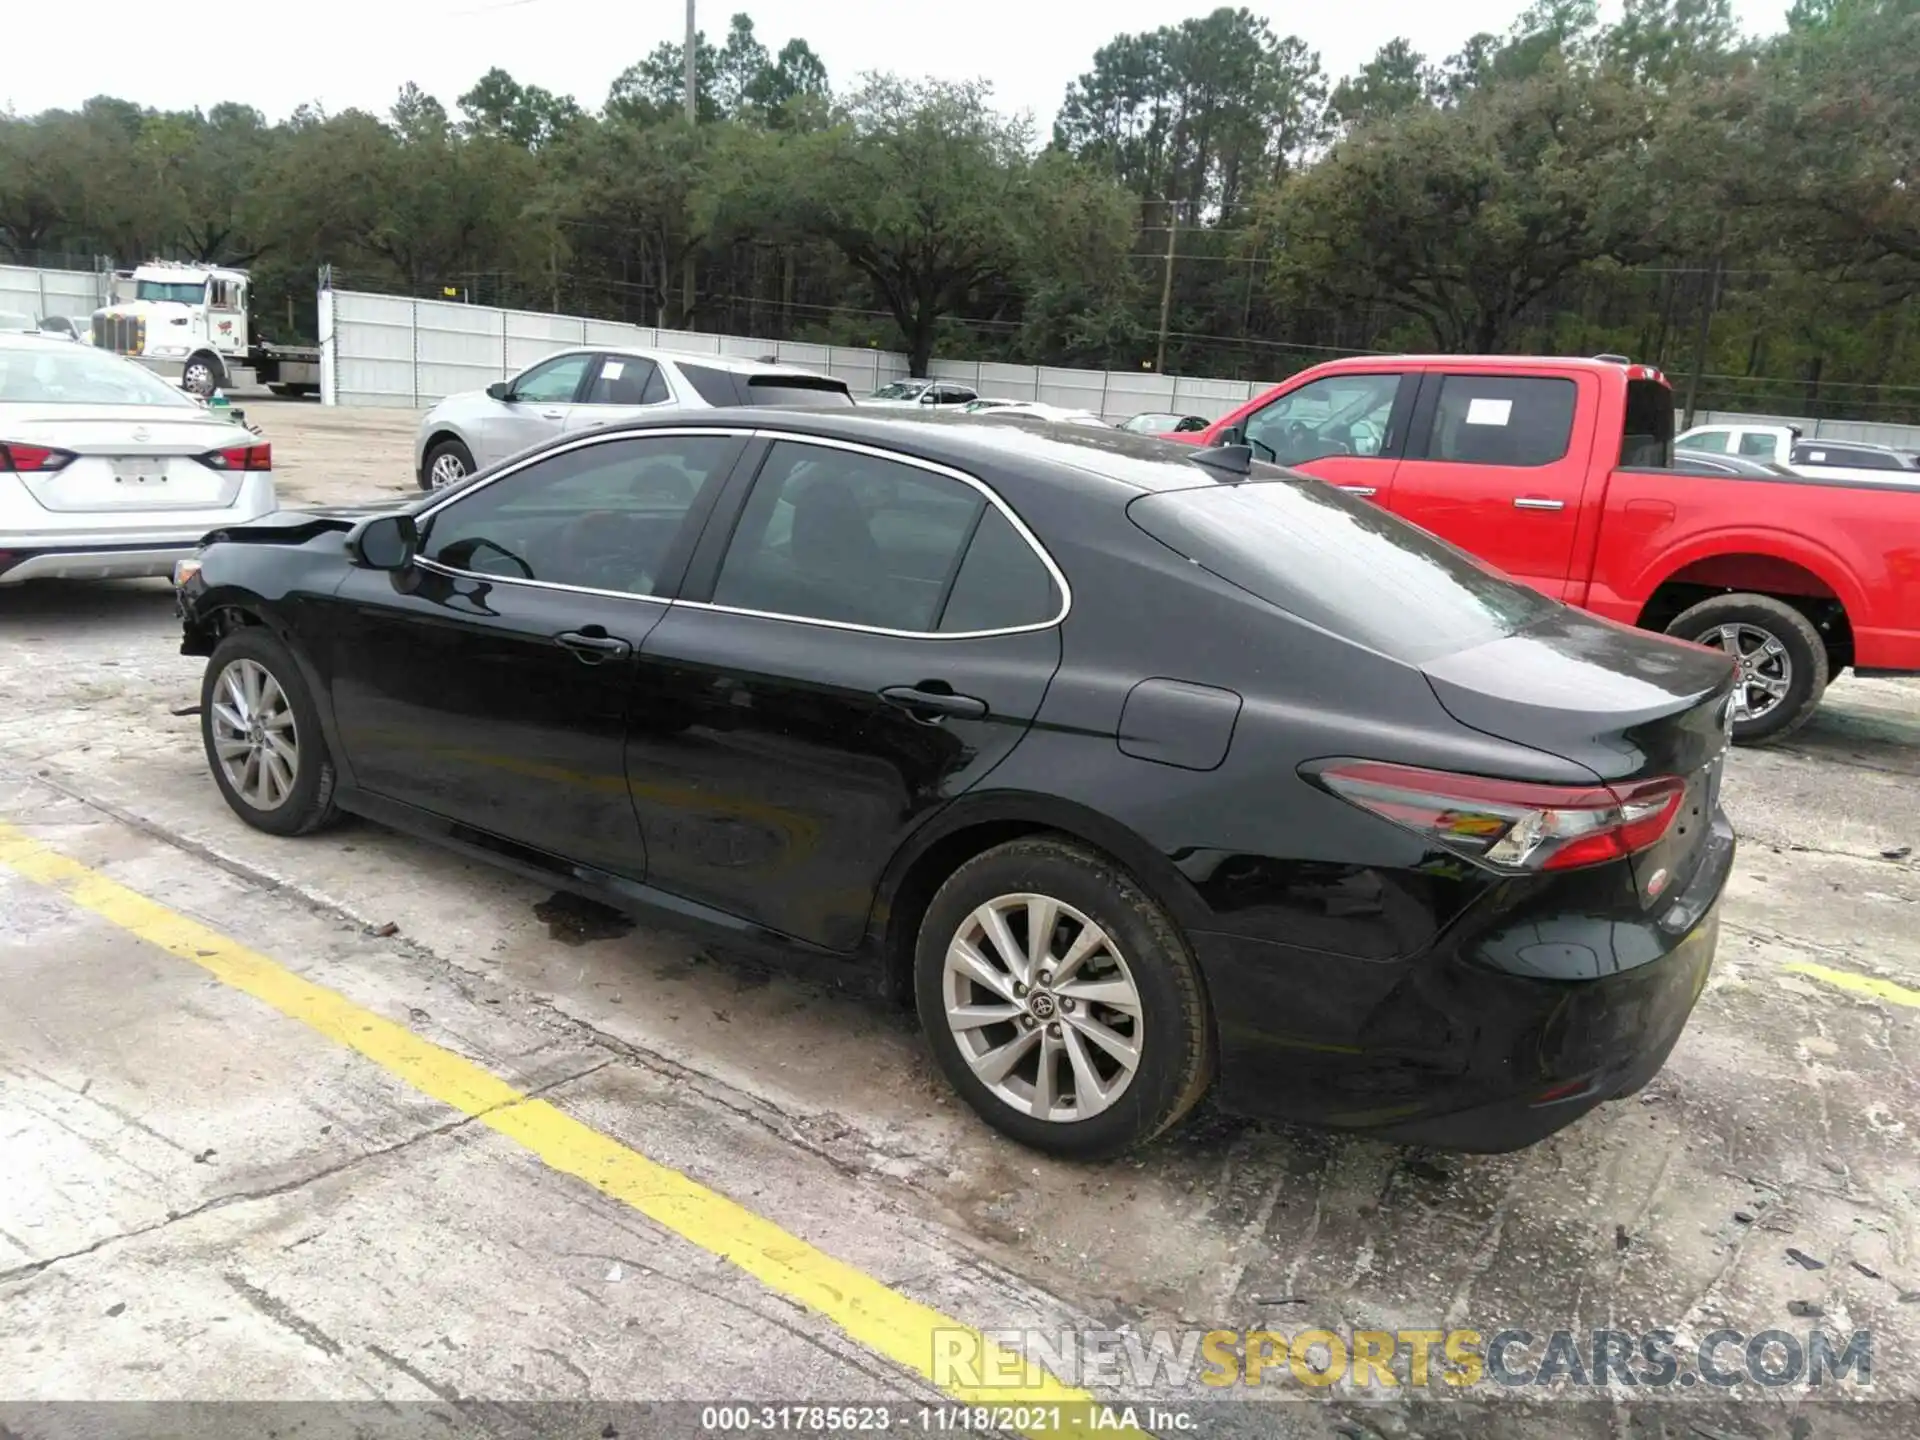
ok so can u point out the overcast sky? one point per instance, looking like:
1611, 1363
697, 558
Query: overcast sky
358, 53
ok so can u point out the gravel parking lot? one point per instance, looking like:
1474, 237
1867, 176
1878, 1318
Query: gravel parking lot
268, 1218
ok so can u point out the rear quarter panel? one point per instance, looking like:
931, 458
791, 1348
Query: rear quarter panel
1862, 544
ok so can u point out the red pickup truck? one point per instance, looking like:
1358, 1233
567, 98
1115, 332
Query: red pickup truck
1561, 474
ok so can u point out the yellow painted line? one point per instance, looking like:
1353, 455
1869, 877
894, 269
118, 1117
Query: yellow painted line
1870, 986
865, 1309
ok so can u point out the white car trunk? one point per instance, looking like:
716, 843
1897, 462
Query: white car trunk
126, 457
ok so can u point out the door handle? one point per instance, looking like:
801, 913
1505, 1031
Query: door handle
593, 645
1535, 502
933, 706
1361, 490
553, 414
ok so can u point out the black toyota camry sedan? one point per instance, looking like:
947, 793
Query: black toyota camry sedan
1146, 771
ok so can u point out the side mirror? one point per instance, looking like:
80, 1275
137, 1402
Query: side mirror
500, 390
927, 397
384, 542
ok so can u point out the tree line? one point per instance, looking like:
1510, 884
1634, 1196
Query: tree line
1742, 210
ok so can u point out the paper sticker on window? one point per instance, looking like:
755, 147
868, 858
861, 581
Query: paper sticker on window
610, 370
1485, 411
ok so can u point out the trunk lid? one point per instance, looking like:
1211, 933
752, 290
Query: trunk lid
1623, 703
129, 457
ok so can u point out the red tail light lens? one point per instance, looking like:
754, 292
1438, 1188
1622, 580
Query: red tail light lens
258, 456
1511, 825
32, 459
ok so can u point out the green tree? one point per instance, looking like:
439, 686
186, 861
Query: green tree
1395, 80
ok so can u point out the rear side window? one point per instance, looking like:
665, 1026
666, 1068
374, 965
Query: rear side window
1647, 435
1519, 420
1002, 583
716, 387
1343, 565
1757, 444
1712, 442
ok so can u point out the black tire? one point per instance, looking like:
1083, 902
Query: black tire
308, 803
1175, 1038
1805, 651
445, 450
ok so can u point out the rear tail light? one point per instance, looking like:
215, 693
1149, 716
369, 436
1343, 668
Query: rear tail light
1511, 825
240, 457
31, 459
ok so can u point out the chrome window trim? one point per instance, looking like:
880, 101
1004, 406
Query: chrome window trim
933, 467
798, 437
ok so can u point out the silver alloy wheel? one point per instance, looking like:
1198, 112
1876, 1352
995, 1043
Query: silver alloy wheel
199, 377
1043, 1007
254, 734
1766, 669
446, 469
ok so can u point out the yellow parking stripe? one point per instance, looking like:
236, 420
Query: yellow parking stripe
1871, 986
865, 1309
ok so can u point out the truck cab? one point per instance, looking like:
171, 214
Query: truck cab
192, 322
1560, 473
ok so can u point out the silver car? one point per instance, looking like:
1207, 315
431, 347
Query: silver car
578, 389
107, 470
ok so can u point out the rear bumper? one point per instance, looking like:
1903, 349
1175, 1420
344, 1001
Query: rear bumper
93, 562
1448, 1049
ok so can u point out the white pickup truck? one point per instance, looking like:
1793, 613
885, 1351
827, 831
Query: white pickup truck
1817, 459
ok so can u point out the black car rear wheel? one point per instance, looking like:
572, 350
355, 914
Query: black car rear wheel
1061, 1000
1782, 660
262, 736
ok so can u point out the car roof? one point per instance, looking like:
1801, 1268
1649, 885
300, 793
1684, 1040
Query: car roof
733, 364
1104, 457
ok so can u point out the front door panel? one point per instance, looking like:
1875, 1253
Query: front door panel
451, 693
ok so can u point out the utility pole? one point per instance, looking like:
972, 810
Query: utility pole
690, 54
1166, 291
692, 47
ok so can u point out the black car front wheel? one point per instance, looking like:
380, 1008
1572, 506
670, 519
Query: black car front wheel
262, 736
1061, 1000
1782, 660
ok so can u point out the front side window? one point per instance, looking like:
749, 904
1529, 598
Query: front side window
900, 390
602, 517
857, 539
1340, 415
552, 382
1517, 420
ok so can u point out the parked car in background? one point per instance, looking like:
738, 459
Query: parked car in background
1032, 410
577, 389
903, 393
1330, 818
108, 470
1559, 473
1164, 422
66, 328
1785, 445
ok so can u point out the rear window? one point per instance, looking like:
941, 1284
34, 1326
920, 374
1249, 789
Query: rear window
1341, 564
797, 390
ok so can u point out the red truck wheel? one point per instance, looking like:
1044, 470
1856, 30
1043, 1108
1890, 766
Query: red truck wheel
1782, 659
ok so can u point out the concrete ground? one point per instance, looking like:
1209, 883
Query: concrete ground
200, 1198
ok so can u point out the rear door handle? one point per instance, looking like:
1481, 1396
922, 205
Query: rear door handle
933, 706
593, 645
1535, 502
1361, 490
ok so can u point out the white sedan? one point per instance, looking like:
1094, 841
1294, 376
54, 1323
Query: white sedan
106, 470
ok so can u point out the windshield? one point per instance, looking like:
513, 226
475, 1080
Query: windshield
1341, 564
186, 292
52, 374
900, 390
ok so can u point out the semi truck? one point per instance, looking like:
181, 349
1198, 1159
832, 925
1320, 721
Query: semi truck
191, 323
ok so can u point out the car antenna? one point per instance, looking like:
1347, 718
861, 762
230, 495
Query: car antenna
1233, 462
